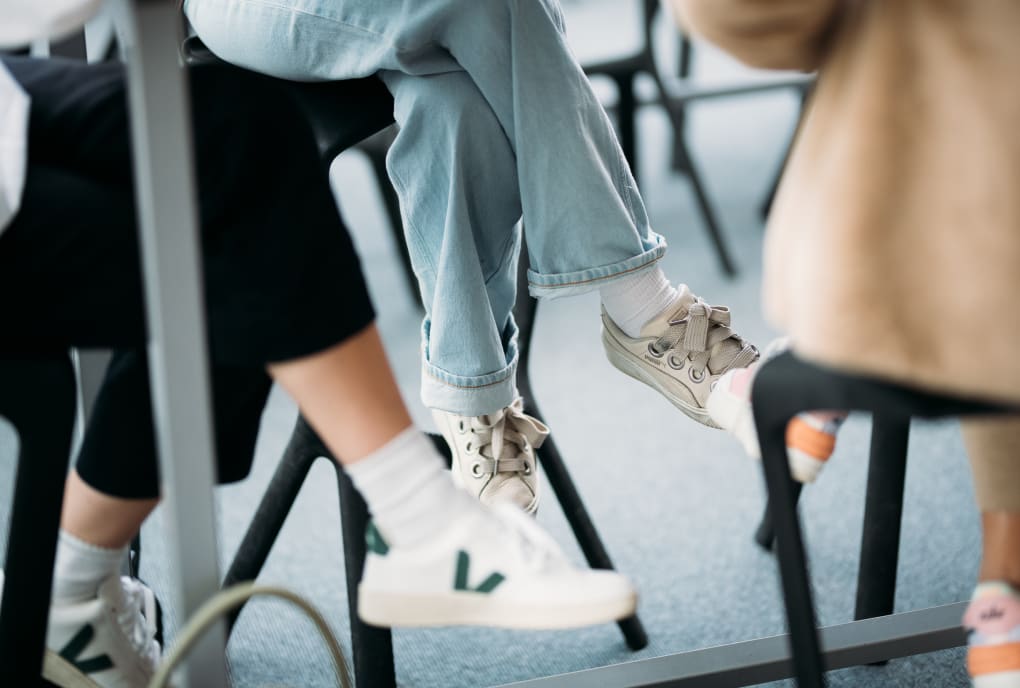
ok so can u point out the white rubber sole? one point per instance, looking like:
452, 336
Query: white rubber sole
1005, 679
389, 609
624, 361
59, 671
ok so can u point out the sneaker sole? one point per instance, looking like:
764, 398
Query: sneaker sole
60, 672
388, 609
623, 361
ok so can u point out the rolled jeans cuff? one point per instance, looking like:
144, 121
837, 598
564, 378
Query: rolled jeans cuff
469, 396
551, 286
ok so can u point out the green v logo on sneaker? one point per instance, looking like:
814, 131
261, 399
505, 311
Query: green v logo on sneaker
374, 540
460, 581
73, 649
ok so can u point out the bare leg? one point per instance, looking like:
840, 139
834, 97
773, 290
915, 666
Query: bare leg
100, 519
1001, 544
348, 394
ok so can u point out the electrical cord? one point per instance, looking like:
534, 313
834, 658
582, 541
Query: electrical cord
232, 598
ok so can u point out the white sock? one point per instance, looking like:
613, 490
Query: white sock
408, 489
634, 300
81, 567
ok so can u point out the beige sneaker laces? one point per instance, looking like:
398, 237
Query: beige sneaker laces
503, 437
704, 336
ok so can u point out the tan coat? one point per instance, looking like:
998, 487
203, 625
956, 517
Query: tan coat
894, 243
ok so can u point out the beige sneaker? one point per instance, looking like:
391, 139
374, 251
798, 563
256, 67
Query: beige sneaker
681, 353
494, 455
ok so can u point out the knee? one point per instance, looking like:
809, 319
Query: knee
449, 107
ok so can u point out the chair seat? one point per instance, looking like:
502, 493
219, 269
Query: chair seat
341, 113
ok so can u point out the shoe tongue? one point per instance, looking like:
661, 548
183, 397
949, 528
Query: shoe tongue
675, 311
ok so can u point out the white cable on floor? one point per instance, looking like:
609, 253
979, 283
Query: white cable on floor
230, 599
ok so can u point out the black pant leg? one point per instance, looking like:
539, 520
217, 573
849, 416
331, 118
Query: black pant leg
117, 456
281, 276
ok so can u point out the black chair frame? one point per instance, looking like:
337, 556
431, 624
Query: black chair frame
786, 386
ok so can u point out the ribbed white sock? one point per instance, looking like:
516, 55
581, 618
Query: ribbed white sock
81, 567
408, 489
634, 300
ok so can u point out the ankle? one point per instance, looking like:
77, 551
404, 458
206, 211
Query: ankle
633, 301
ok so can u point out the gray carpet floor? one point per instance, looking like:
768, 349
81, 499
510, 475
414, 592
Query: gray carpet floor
676, 503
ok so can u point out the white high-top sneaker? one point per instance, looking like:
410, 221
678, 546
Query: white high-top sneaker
494, 455
496, 567
108, 641
681, 353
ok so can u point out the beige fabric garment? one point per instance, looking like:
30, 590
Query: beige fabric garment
893, 247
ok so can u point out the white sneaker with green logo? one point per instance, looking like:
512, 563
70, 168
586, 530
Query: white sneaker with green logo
496, 567
108, 641
681, 353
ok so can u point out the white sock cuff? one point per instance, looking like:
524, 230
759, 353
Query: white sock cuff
399, 460
634, 300
81, 567
87, 549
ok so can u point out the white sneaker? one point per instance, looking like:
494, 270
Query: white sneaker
105, 642
681, 353
494, 455
496, 567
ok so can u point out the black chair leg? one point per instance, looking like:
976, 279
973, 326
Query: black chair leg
302, 451
584, 530
771, 424
372, 647
707, 212
556, 471
765, 535
43, 415
883, 511
626, 119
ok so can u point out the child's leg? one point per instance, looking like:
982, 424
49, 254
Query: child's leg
585, 221
457, 178
810, 437
993, 618
437, 557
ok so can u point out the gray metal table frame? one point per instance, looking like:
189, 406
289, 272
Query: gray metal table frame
768, 659
168, 225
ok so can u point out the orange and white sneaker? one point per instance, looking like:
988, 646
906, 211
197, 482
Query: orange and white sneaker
810, 437
992, 622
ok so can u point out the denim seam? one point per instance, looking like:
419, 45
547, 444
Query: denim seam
507, 252
285, 8
595, 279
401, 187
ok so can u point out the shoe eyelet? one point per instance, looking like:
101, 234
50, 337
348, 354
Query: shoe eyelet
711, 387
476, 470
675, 362
527, 469
468, 448
652, 350
695, 376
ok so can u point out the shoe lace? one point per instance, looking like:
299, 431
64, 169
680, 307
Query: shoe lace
504, 437
702, 334
136, 615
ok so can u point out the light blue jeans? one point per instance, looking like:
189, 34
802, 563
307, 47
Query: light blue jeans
497, 122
